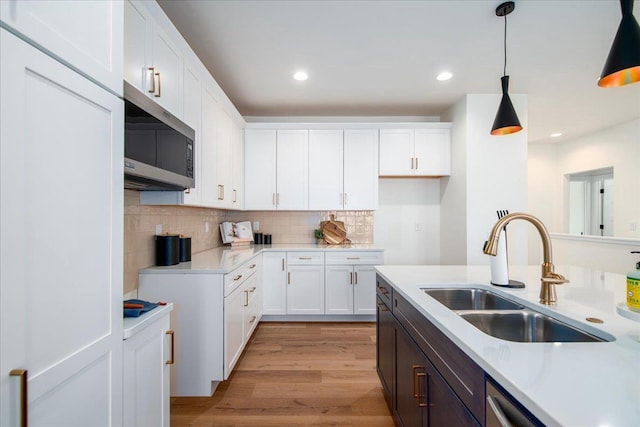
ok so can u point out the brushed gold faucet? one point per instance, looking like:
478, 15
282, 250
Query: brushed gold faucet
549, 278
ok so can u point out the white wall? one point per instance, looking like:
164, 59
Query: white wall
403, 204
495, 178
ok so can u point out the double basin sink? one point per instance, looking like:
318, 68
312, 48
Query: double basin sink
503, 318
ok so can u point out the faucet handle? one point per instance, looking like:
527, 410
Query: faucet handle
554, 278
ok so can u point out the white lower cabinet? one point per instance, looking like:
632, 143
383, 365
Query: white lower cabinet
350, 282
331, 282
213, 321
148, 356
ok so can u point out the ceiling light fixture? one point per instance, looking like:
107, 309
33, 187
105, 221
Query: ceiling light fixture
623, 63
506, 120
445, 75
300, 76
555, 135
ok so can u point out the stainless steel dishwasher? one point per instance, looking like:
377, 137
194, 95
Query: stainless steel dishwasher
503, 410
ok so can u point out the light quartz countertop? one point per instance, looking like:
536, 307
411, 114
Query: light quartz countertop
133, 325
563, 384
226, 258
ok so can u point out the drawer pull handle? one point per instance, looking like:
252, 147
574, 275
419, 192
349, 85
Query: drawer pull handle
420, 375
171, 361
353, 257
22, 373
252, 266
238, 277
253, 319
305, 257
252, 289
246, 298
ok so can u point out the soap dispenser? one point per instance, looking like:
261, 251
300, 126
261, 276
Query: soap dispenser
633, 287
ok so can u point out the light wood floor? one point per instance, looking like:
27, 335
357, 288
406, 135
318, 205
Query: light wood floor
296, 374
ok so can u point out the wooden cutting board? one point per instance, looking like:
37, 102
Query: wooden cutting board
335, 233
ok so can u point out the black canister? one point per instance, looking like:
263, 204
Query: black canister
267, 239
257, 238
185, 249
167, 249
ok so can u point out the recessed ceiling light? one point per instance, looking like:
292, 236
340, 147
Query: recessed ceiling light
555, 135
445, 75
300, 75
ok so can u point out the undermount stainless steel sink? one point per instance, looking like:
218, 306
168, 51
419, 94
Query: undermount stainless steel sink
505, 319
471, 299
526, 326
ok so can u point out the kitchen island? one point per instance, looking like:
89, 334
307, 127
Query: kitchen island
568, 384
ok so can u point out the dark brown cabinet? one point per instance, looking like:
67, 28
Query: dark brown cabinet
420, 394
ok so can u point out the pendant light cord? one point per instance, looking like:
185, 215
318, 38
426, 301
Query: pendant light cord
504, 71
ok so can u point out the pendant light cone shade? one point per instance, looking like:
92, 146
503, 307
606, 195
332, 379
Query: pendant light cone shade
623, 63
506, 120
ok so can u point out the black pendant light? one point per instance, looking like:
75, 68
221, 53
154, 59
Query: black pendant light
623, 63
506, 121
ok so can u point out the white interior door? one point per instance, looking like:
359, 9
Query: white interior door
61, 232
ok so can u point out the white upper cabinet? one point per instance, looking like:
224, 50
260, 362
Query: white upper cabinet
224, 159
86, 34
208, 183
237, 150
260, 169
292, 179
343, 169
276, 169
360, 169
326, 169
415, 152
153, 63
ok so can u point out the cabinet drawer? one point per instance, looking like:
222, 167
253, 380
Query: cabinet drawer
305, 258
354, 258
239, 275
462, 374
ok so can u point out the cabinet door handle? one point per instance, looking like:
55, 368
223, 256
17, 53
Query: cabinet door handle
382, 307
220, 192
157, 95
235, 196
355, 276
273, 199
497, 411
22, 373
238, 277
246, 298
277, 199
421, 394
253, 319
282, 264
417, 163
187, 190
346, 200
253, 289
171, 361
412, 163
288, 277
151, 76
351, 278
414, 368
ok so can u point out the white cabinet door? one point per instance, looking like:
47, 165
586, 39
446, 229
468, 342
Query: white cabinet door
274, 282
361, 169
396, 152
86, 34
339, 288
292, 179
138, 28
237, 181
56, 250
234, 306
192, 115
305, 289
260, 169
364, 289
224, 160
326, 170
208, 163
433, 152
167, 72
146, 376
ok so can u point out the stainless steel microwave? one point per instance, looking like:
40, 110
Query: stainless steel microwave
158, 147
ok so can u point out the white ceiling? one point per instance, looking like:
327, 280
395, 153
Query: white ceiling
381, 58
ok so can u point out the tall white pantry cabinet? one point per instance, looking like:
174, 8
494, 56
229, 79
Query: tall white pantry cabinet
61, 134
